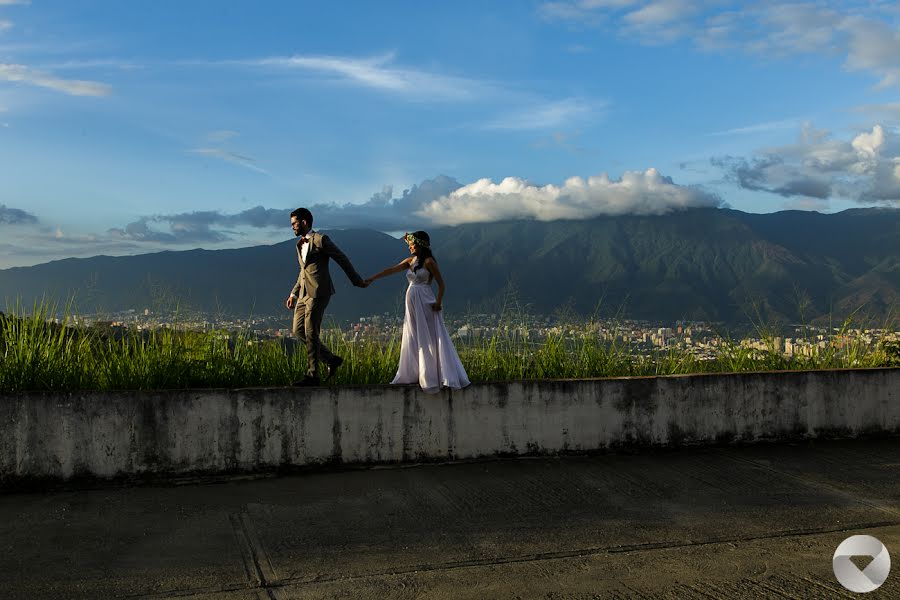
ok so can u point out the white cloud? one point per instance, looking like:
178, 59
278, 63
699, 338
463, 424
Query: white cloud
222, 135
5, 25
869, 144
525, 111
74, 87
377, 73
873, 46
580, 10
795, 28
864, 168
549, 115
218, 150
97, 63
867, 36
642, 193
658, 13
762, 127
890, 110
660, 22
719, 32
11, 2
232, 157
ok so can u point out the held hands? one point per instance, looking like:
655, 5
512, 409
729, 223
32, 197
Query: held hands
436, 306
363, 284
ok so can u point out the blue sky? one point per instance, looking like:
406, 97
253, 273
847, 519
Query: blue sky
130, 127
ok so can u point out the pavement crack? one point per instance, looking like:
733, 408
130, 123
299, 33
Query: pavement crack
257, 566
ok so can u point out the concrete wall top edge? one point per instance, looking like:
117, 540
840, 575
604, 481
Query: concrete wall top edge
337, 389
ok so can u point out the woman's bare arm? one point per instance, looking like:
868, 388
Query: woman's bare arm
401, 266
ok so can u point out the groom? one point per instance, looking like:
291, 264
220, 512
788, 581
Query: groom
312, 292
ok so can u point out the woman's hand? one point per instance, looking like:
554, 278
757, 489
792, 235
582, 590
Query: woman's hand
436, 306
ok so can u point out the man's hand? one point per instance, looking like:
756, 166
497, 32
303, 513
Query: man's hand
436, 306
362, 284
290, 302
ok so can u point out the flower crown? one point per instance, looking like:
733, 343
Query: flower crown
411, 238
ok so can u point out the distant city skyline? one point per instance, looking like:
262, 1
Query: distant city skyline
131, 128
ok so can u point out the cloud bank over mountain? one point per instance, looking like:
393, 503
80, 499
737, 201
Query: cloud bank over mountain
865, 168
638, 193
442, 201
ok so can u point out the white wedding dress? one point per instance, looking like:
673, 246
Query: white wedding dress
427, 355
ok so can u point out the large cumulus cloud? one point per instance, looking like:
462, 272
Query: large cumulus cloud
640, 193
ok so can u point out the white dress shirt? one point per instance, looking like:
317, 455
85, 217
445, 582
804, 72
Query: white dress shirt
304, 250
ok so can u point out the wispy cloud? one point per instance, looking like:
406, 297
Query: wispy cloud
378, 73
581, 11
866, 36
660, 22
566, 141
74, 87
217, 150
5, 25
12, 2
548, 115
232, 157
526, 111
890, 110
762, 127
94, 63
222, 135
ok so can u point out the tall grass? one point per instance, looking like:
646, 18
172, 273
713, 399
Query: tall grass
37, 354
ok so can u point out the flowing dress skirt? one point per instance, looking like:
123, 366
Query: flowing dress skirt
427, 355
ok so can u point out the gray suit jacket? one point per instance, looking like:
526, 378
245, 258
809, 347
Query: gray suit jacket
315, 280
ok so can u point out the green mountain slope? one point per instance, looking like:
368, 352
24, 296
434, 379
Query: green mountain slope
711, 264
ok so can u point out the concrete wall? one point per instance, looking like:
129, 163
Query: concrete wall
111, 434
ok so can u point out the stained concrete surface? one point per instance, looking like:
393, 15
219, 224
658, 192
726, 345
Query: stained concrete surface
738, 522
63, 436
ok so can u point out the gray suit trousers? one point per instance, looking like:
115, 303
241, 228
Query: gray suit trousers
308, 314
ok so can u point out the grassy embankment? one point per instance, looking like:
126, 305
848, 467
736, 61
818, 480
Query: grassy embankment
36, 354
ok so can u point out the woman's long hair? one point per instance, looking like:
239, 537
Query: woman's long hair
423, 251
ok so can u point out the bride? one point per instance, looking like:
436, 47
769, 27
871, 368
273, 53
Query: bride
427, 355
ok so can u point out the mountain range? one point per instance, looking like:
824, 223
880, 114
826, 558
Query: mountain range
696, 264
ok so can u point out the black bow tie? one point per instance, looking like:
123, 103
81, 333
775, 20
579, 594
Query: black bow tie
303, 240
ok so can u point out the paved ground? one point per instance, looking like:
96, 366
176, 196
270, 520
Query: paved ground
752, 522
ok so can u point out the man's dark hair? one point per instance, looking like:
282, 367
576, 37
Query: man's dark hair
303, 214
